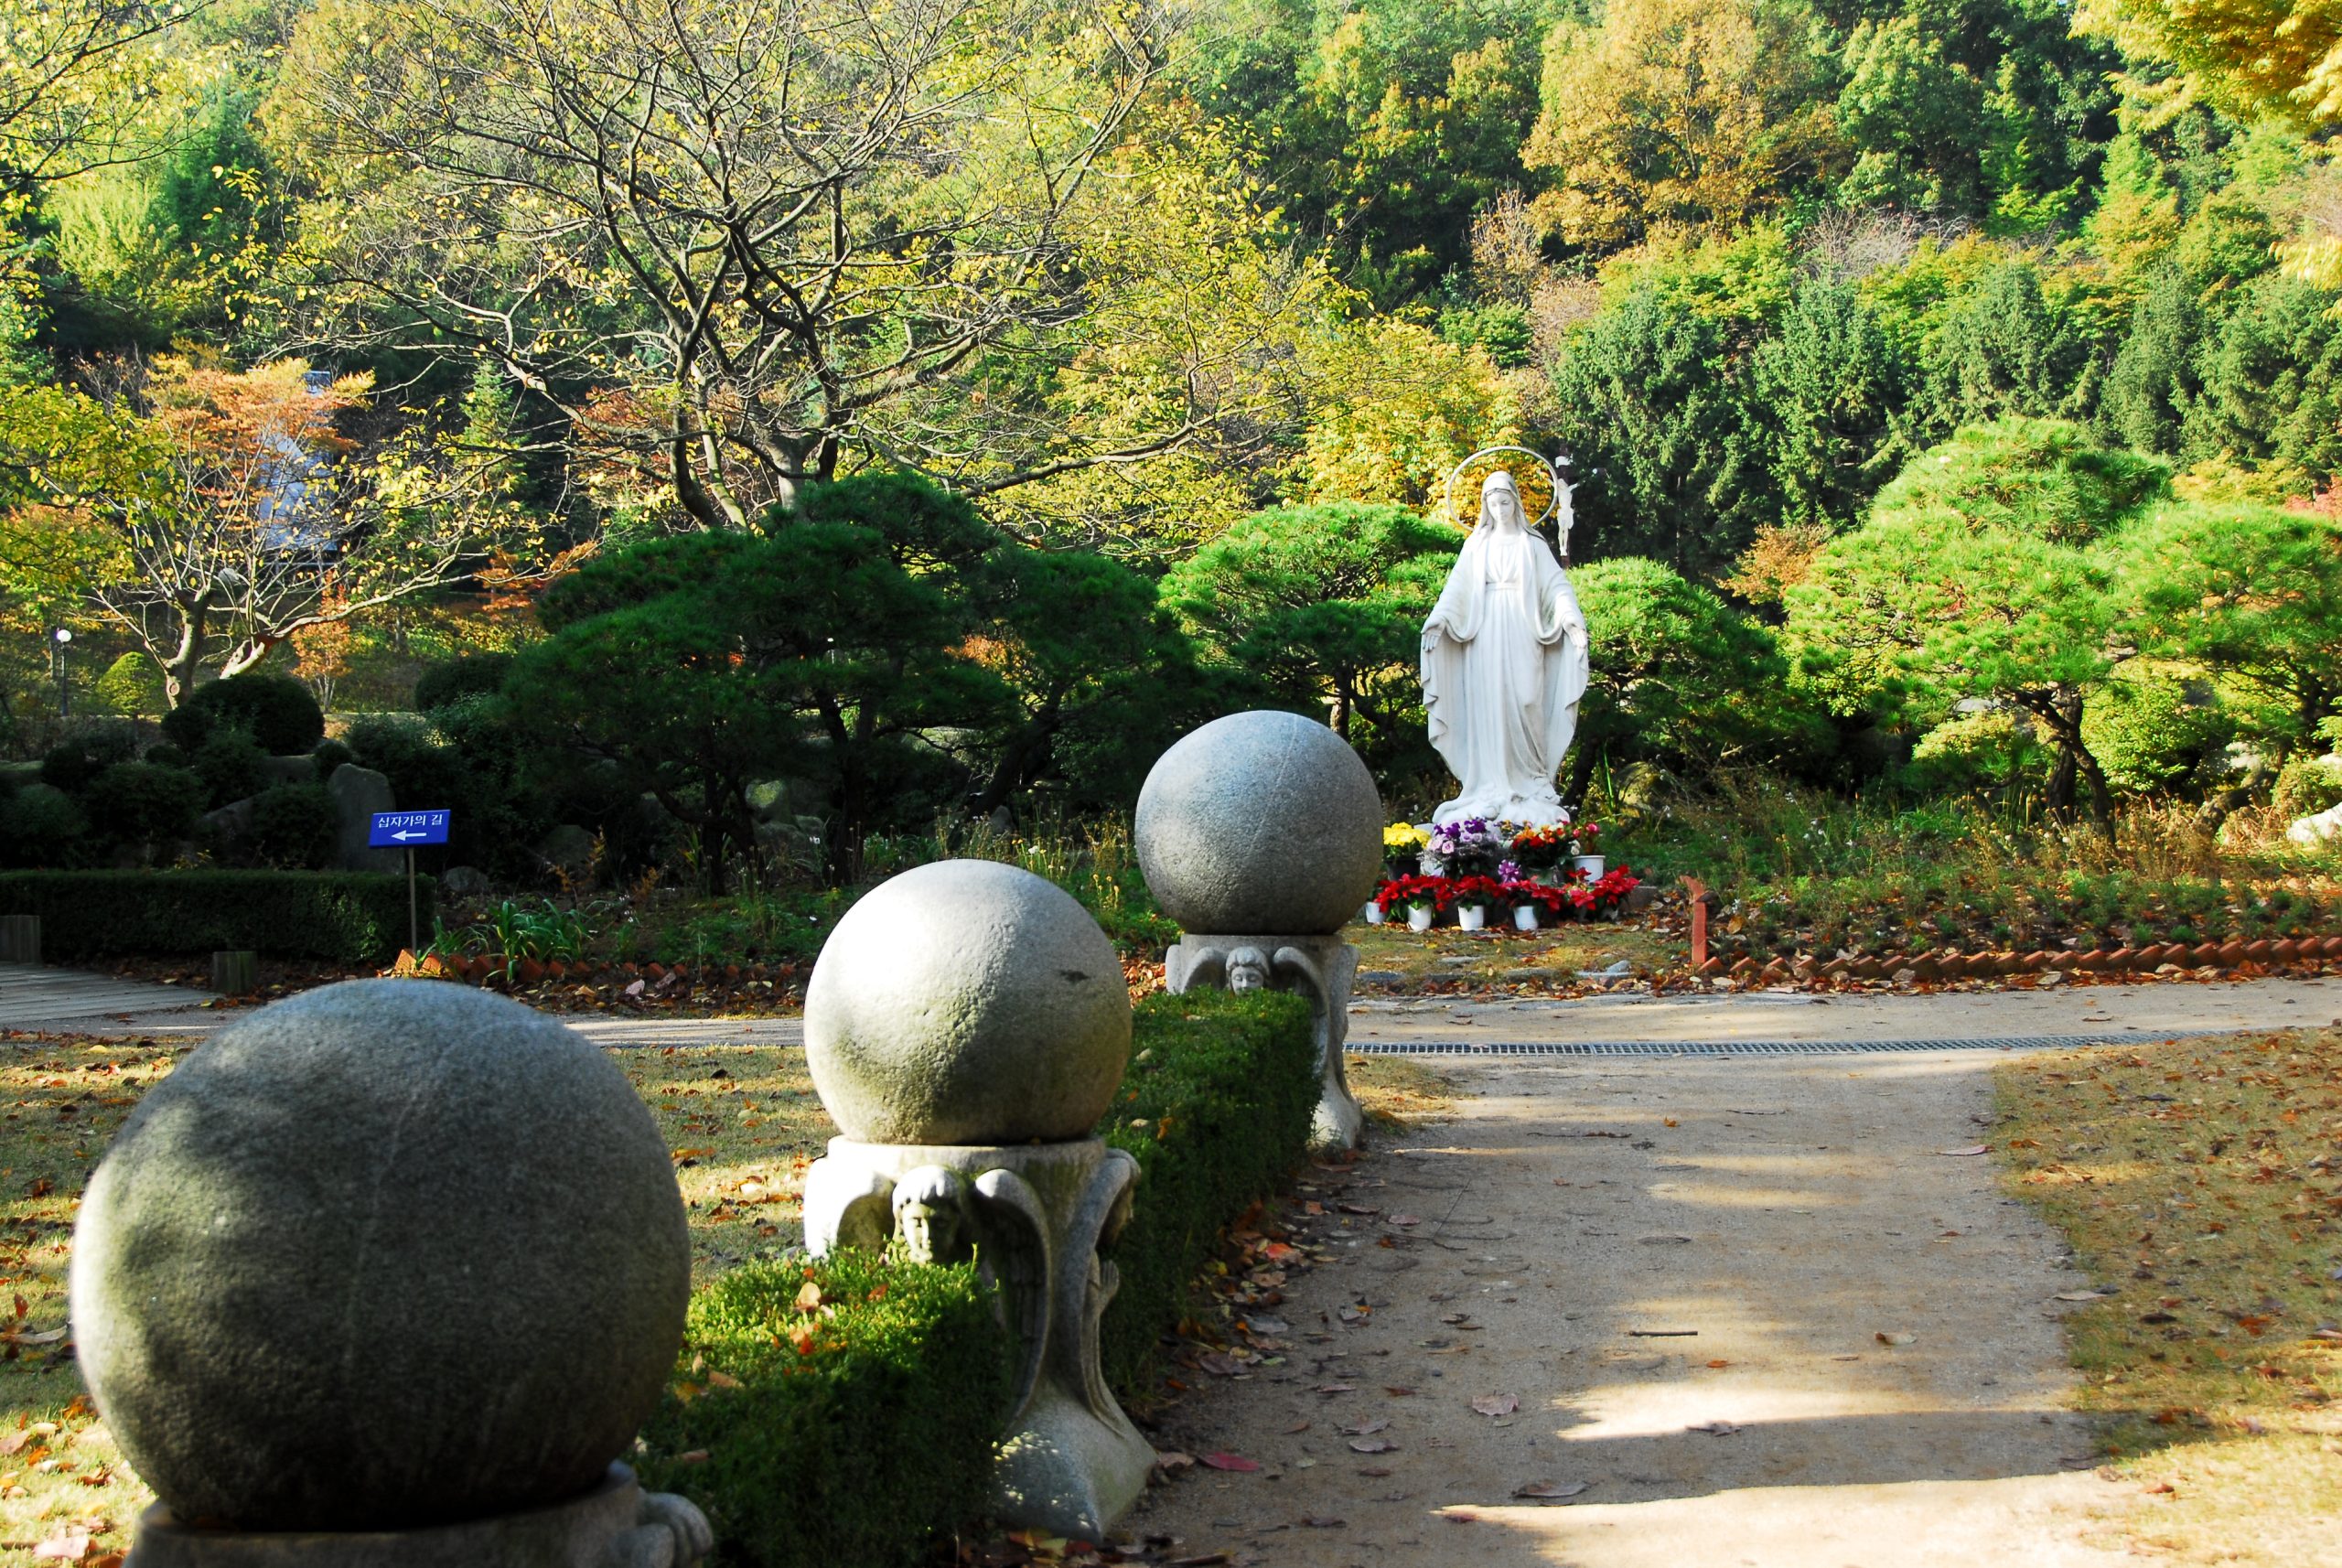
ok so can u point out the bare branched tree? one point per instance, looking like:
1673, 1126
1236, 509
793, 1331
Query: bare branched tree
214, 514
724, 237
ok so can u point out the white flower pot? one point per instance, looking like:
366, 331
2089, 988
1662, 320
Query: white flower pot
1591, 865
1419, 916
1472, 916
1525, 918
1373, 913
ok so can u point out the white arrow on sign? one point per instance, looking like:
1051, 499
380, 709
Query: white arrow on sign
402, 834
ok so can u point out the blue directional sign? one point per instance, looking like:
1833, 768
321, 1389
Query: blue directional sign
406, 829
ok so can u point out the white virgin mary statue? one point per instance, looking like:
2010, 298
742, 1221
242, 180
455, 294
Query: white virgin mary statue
1504, 665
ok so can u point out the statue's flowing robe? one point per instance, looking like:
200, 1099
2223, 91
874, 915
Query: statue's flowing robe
1504, 663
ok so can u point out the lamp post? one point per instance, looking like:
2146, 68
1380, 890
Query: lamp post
60, 637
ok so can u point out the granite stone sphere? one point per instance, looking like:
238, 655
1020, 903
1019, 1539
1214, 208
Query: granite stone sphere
967, 1002
387, 1255
1260, 823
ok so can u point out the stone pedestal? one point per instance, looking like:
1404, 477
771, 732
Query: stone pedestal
1034, 1216
1320, 968
617, 1525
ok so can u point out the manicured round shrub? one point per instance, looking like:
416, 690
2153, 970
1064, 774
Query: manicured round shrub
232, 766
74, 762
131, 685
41, 825
330, 754
138, 802
471, 675
276, 711
292, 827
2306, 786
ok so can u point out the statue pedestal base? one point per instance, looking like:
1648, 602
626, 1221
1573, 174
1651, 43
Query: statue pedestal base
1034, 1216
1320, 968
616, 1525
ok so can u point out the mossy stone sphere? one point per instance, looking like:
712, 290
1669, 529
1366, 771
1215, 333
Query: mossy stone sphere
386, 1255
1260, 823
967, 1002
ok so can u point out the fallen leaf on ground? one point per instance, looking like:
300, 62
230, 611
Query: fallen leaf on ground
1717, 1428
1219, 1363
71, 1548
1170, 1461
2081, 1296
1971, 1149
1883, 1338
1372, 1445
1315, 1522
1496, 1404
1550, 1489
1406, 1220
1296, 1428
1230, 1462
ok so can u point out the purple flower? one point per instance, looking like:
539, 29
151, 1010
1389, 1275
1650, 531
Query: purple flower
1509, 871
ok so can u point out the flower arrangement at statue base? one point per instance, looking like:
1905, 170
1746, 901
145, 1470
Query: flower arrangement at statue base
1426, 901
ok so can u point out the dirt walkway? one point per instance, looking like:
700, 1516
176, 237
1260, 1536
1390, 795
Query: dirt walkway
1789, 1211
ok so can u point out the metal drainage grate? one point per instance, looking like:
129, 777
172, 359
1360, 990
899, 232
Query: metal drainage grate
1749, 1047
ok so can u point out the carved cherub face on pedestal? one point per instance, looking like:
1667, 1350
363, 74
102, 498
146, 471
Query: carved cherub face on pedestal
1247, 970
931, 1215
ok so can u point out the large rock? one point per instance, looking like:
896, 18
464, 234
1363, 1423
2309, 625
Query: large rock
357, 794
967, 1002
567, 851
1260, 823
2324, 827
386, 1255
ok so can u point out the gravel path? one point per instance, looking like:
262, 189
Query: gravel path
1566, 1235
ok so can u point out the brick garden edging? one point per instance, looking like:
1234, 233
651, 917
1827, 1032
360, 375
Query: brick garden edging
1950, 963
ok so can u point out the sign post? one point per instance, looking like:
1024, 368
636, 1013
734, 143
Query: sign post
406, 829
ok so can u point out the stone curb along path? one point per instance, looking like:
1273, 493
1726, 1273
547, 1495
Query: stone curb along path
1626, 1314
66, 1001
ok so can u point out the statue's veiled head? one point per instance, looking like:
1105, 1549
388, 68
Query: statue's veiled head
1500, 502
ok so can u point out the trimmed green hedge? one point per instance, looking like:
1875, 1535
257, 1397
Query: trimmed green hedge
1226, 1086
852, 1430
341, 917
858, 1430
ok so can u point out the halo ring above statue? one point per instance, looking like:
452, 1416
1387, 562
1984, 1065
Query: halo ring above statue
1544, 466
1504, 665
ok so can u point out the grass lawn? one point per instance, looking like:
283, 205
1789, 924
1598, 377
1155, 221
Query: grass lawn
1495, 958
742, 1121
2200, 1182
